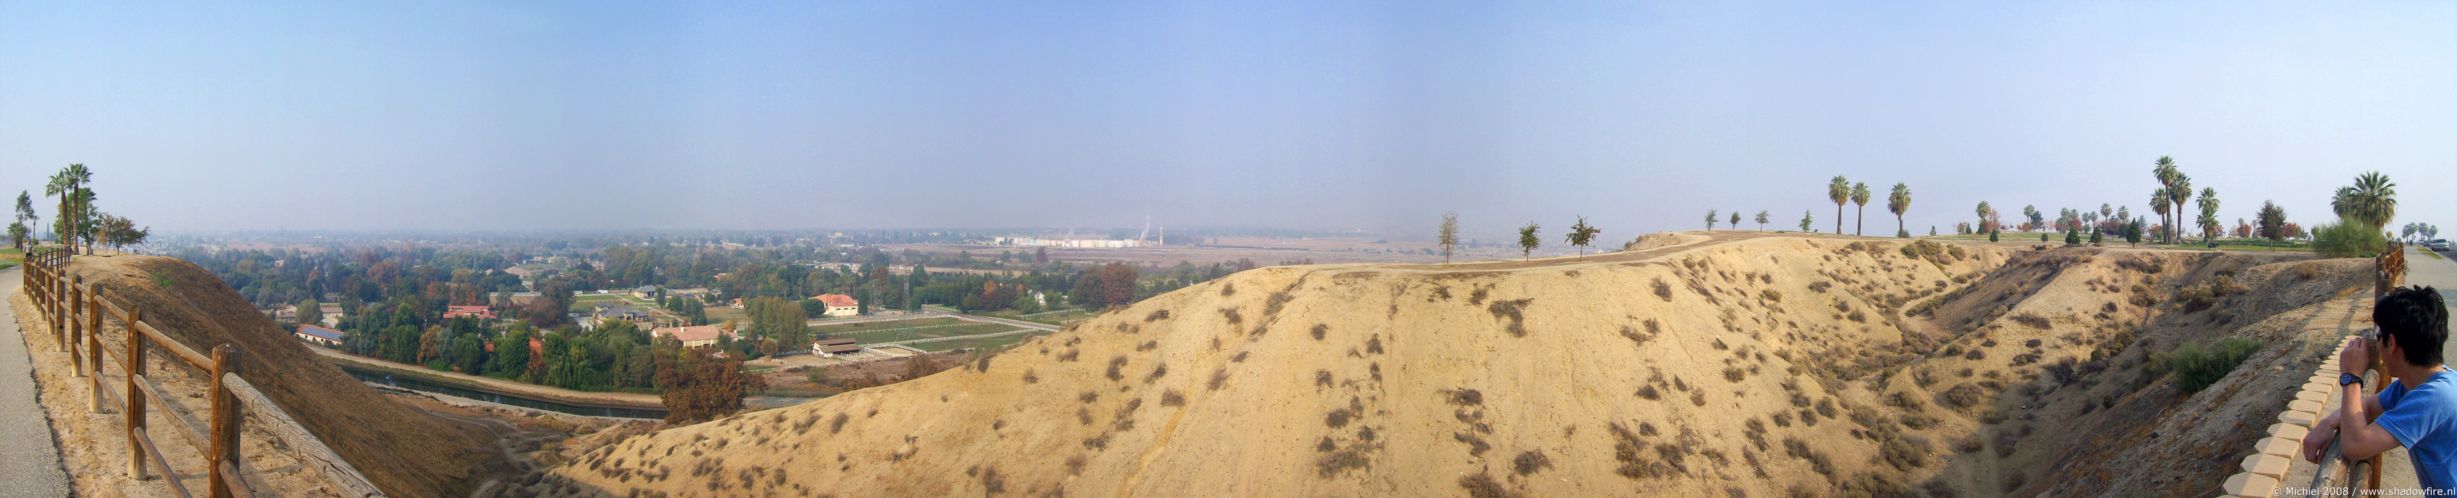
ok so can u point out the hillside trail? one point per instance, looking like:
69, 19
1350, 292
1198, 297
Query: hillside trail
29, 454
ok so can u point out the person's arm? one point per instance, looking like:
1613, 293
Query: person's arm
2358, 437
2324, 431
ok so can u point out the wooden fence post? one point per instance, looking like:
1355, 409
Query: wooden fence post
93, 345
136, 397
59, 324
76, 324
225, 452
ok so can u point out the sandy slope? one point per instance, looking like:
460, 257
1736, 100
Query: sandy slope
1743, 364
402, 451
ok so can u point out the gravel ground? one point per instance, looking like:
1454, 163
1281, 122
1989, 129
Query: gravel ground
29, 458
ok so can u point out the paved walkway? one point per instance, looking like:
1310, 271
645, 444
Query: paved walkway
29, 461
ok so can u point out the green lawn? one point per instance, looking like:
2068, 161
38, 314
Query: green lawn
927, 332
980, 343
871, 326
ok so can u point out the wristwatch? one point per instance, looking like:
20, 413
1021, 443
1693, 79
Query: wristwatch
2346, 379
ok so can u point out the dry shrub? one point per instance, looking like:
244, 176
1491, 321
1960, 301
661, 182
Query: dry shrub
1663, 290
1157, 315
1172, 398
1513, 310
1529, 462
1320, 329
1219, 379
1116, 363
1961, 396
1482, 485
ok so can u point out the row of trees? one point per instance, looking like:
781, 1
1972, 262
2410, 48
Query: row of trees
77, 223
1580, 235
1842, 190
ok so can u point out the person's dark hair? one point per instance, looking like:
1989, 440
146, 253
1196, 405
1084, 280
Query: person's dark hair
2418, 319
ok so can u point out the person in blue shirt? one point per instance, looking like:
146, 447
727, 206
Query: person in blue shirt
2418, 411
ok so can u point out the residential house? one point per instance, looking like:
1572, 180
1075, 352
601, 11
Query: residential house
332, 314
835, 346
321, 335
840, 305
479, 312
694, 336
607, 313
644, 292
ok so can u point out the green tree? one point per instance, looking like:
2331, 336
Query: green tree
1735, 224
119, 232
1806, 218
75, 201
1449, 238
1899, 202
2271, 222
2166, 171
2372, 200
778, 320
2073, 236
1528, 239
2158, 203
21, 232
2348, 239
1839, 191
1987, 217
697, 385
2181, 193
1761, 220
1992, 235
1859, 195
1580, 234
2210, 226
1711, 218
310, 312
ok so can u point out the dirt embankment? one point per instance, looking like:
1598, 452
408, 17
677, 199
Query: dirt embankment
1747, 365
403, 451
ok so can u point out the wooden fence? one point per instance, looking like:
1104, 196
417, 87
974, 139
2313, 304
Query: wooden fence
78, 314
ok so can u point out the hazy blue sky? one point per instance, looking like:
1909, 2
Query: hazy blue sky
510, 115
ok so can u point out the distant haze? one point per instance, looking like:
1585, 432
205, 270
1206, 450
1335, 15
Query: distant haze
1329, 115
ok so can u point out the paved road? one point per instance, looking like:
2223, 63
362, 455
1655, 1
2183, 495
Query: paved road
29, 461
2439, 273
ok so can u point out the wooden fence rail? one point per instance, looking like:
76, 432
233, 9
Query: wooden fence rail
78, 313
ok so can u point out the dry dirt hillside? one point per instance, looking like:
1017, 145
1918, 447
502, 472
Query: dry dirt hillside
404, 452
1730, 364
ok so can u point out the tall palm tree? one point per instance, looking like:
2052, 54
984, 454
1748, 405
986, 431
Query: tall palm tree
2167, 172
1859, 195
1899, 202
2158, 203
1839, 191
2181, 193
69, 185
2372, 200
1761, 220
2209, 214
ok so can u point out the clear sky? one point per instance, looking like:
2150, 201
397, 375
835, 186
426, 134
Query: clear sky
1308, 114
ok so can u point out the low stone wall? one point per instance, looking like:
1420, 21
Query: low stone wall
2272, 455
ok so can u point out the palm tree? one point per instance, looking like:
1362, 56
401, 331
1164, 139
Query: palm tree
2209, 214
1839, 191
2166, 172
2158, 203
1987, 217
2372, 200
1859, 195
1761, 220
69, 185
1899, 202
1580, 234
1528, 239
2181, 193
